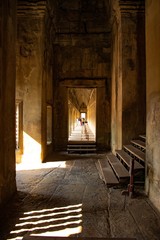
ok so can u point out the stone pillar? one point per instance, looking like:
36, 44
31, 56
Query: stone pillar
116, 86
91, 111
69, 118
133, 69
7, 98
30, 48
128, 72
153, 101
60, 122
103, 119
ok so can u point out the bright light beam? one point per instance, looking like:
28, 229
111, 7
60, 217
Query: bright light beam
46, 227
53, 209
52, 214
49, 220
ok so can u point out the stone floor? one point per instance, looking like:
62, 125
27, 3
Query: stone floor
66, 197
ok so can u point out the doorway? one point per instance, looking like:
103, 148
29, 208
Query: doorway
82, 114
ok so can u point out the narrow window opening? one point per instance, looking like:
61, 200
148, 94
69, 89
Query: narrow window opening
83, 115
19, 125
19, 130
49, 124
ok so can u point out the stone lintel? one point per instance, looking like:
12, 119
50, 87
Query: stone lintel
98, 82
36, 9
68, 37
128, 6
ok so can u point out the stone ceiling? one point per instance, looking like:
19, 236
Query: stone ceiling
80, 96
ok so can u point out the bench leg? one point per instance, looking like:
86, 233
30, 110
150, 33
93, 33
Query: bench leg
130, 189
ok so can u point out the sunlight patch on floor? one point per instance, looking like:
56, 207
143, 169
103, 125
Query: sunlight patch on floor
59, 221
34, 166
62, 233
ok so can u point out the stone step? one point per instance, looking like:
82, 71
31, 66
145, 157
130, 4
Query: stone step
79, 142
80, 146
118, 168
78, 150
82, 133
134, 152
126, 160
82, 139
75, 138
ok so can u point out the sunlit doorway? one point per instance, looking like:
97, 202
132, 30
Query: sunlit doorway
82, 114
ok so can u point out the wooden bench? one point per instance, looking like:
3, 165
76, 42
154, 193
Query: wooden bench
143, 137
140, 144
119, 169
135, 152
107, 173
123, 156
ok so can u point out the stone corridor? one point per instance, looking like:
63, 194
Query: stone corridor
82, 133
66, 197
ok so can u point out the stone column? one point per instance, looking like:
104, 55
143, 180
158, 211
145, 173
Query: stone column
7, 98
116, 86
128, 72
30, 48
60, 121
133, 69
103, 118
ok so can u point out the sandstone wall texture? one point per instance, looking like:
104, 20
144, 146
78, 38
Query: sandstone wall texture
7, 99
91, 115
153, 101
133, 74
30, 58
116, 86
47, 75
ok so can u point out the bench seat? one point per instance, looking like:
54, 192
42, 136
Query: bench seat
139, 144
107, 173
127, 160
119, 169
135, 152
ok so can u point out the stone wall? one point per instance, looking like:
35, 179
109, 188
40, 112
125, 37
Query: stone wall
83, 57
29, 89
47, 75
133, 71
153, 100
73, 115
103, 118
7, 98
91, 111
